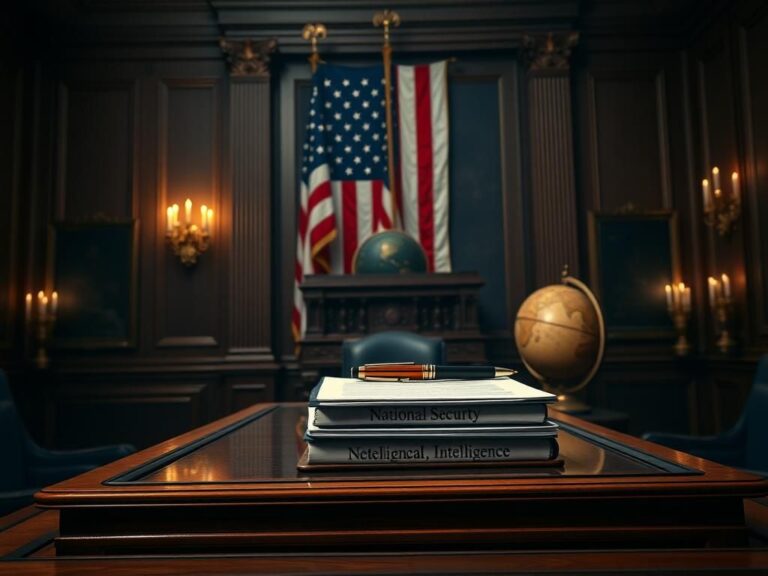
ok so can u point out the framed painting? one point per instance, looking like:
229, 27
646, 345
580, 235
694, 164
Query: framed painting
94, 271
633, 255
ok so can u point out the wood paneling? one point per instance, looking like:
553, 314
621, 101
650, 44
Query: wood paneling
139, 412
11, 114
553, 187
188, 167
250, 282
629, 145
98, 130
752, 38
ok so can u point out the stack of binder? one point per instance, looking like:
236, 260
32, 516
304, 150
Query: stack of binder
364, 424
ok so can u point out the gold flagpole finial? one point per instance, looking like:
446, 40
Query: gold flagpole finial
386, 19
312, 32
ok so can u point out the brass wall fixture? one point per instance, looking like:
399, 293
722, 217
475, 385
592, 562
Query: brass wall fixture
188, 240
679, 308
721, 209
721, 301
40, 318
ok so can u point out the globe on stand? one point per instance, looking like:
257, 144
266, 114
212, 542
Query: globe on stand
389, 252
560, 335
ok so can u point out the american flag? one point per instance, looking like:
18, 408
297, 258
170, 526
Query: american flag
345, 193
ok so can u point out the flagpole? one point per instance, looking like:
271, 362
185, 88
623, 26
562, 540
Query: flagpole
312, 32
386, 19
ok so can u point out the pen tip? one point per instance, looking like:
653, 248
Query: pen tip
500, 372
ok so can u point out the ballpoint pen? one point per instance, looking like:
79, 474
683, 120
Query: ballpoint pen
411, 371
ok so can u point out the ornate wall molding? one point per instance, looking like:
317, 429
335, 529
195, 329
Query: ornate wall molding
550, 51
248, 58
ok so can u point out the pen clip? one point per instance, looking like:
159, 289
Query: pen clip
390, 364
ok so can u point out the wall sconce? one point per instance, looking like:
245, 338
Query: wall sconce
722, 306
40, 319
721, 210
679, 308
188, 240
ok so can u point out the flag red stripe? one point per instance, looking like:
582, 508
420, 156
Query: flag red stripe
321, 230
349, 222
425, 169
321, 192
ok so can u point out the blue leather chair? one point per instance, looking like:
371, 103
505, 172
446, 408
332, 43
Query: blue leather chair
745, 445
391, 347
26, 467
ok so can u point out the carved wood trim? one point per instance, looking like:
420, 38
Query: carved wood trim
251, 241
551, 51
248, 58
553, 181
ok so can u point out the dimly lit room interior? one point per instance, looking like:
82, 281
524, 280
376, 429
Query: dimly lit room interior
198, 227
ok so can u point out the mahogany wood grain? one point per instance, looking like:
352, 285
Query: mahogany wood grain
210, 506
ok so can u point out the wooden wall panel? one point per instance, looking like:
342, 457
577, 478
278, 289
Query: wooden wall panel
11, 114
752, 38
140, 412
188, 167
98, 128
629, 152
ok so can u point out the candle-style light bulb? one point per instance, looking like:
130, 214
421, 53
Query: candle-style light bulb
187, 211
735, 186
54, 303
705, 190
716, 178
204, 217
28, 307
209, 220
175, 209
726, 287
169, 218
713, 289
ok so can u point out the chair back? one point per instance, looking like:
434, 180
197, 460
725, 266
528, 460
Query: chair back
391, 347
13, 441
755, 420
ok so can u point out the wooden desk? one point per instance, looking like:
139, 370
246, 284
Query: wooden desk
232, 486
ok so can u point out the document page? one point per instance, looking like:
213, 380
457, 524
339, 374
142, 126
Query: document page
334, 390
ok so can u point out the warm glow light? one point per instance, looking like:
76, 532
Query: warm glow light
735, 184
169, 218
54, 302
707, 195
187, 211
716, 178
28, 306
668, 290
209, 220
726, 286
175, 209
204, 217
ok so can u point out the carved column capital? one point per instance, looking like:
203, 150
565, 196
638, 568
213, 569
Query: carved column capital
248, 58
549, 51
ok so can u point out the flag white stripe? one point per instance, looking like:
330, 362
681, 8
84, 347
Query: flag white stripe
440, 138
409, 182
337, 246
364, 190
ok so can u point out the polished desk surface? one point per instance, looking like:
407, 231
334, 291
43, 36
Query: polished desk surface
232, 487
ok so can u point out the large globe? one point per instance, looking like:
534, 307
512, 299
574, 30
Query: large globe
560, 335
390, 252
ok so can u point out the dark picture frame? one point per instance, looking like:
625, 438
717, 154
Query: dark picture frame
633, 255
94, 270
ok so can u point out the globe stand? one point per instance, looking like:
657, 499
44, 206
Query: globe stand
570, 404
566, 400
